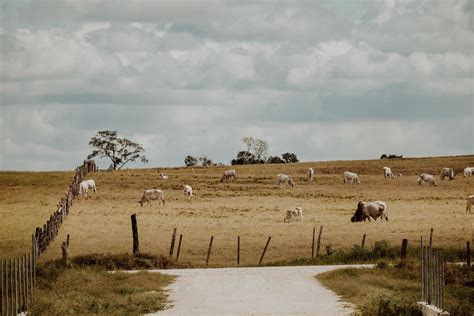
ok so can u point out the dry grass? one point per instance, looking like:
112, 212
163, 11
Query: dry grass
394, 290
253, 207
89, 291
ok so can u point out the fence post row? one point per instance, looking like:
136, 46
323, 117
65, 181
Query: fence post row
18, 275
432, 277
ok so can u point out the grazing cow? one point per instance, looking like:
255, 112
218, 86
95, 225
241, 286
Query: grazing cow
387, 173
228, 175
469, 171
350, 177
283, 178
366, 210
188, 191
470, 202
424, 177
294, 213
152, 194
310, 174
85, 185
163, 176
447, 173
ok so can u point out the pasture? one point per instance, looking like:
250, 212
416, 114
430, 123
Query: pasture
253, 207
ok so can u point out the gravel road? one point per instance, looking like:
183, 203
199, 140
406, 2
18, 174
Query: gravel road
253, 291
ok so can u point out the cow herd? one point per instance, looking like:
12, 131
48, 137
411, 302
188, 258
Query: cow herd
364, 211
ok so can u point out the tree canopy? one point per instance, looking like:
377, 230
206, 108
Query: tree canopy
119, 150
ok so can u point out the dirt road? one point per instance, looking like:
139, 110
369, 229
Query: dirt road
253, 291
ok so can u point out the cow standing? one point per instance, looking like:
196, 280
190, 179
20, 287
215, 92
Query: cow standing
152, 194
424, 177
447, 173
294, 213
84, 187
283, 178
387, 173
350, 177
366, 210
188, 191
228, 175
310, 174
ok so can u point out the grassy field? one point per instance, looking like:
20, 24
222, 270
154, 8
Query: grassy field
394, 290
253, 207
94, 291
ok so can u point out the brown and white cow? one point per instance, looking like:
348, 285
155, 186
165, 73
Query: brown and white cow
294, 214
152, 194
366, 210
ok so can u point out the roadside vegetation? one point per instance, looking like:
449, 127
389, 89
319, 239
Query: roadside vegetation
86, 288
393, 289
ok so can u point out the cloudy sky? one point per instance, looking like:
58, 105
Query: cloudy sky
323, 79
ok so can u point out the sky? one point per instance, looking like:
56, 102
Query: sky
326, 80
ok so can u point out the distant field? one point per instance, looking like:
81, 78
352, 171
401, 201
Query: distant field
253, 207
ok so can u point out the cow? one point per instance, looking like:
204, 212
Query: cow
85, 185
400, 174
470, 202
350, 177
294, 213
447, 173
387, 173
283, 178
310, 174
424, 177
163, 176
228, 175
469, 171
188, 191
366, 210
152, 194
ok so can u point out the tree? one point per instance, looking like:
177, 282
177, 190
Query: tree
119, 150
258, 147
206, 161
190, 161
289, 157
244, 157
275, 159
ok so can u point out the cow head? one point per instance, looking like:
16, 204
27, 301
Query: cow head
291, 183
358, 215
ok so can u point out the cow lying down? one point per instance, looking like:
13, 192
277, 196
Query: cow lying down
366, 210
294, 214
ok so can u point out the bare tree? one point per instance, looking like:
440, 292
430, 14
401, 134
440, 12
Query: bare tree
258, 147
119, 150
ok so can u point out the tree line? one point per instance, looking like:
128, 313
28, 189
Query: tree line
120, 151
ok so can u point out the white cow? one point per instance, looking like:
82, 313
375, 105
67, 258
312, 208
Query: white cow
228, 175
387, 173
310, 174
163, 176
350, 177
152, 194
424, 177
294, 213
85, 185
188, 191
284, 178
470, 202
447, 173
366, 210
469, 171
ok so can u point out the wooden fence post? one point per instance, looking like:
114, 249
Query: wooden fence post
12, 283
173, 239
264, 250
179, 247
431, 238
135, 235
209, 251
403, 254
363, 243
319, 240
468, 255
312, 244
238, 250
65, 253
2, 289
17, 298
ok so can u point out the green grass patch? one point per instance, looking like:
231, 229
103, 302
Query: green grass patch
94, 291
394, 289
